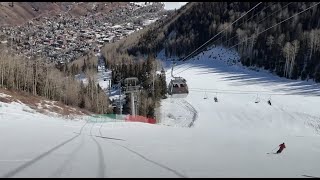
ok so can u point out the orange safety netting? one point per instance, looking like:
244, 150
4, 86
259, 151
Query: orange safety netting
131, 118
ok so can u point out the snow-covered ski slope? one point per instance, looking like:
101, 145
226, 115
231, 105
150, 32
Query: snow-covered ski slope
228, 138
240, 132
217, 72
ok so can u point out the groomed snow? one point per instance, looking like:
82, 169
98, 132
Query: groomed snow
229, 138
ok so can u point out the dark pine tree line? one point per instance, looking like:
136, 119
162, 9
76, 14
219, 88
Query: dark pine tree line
291, 49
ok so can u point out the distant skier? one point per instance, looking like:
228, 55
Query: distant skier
282, 146
269, 102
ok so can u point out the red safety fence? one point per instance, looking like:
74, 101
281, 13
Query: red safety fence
130, 118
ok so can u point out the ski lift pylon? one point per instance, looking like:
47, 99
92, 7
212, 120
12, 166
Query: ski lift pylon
216, 98
257, 99
205, 95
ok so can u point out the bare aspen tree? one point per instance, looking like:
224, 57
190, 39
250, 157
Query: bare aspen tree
19, 74
280, 40
286, 52
252, 42
312, 39
26, 74
240, 34
90, 74
10, 73
317, 40
270, 41
2, 68
293, 54
46, 83
35, 76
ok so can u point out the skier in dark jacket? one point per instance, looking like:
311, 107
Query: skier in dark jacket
269, 102
282, 146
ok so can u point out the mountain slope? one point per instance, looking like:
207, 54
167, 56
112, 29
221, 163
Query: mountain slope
234, 134
21, 12
290, 49
230, 138
39, 104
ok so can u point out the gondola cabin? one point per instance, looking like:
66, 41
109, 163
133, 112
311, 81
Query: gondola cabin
178, 88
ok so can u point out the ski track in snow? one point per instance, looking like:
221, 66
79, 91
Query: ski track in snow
146, 159
40, 157
66, 168
101, 165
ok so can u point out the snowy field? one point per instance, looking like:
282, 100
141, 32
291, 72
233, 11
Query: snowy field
167, 5
196, 137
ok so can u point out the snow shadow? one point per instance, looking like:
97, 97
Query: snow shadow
243, 76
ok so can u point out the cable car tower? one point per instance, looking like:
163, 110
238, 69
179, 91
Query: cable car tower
132, 88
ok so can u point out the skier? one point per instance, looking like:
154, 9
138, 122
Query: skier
269, 102
282, 146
